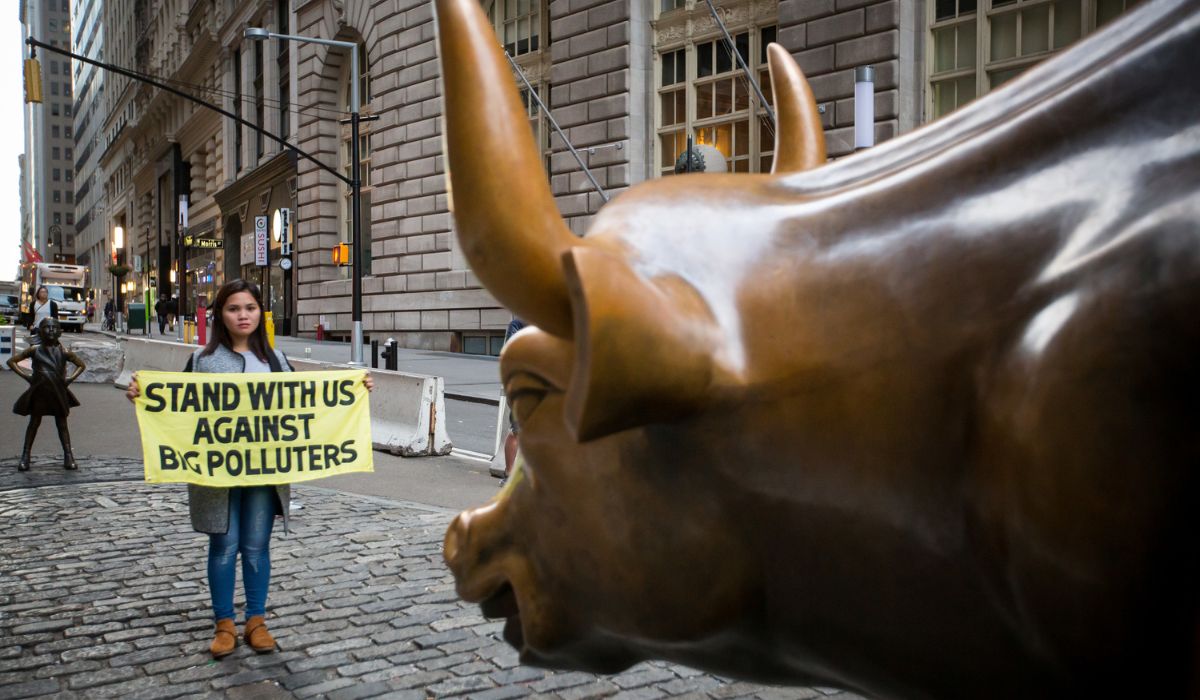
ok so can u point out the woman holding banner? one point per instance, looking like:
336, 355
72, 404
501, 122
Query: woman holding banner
238, 519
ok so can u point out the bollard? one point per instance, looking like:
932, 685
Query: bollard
390, 360
269, 322
374, 354
201, 324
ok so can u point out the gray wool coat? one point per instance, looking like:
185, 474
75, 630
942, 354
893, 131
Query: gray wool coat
209, 506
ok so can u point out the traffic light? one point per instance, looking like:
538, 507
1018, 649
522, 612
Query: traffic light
33, 80
341, 254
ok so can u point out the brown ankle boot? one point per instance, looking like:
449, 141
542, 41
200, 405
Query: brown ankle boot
224, 640
257, 636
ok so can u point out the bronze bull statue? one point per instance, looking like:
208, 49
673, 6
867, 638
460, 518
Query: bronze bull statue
923, 423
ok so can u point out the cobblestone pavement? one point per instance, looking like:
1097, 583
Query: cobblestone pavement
102, 594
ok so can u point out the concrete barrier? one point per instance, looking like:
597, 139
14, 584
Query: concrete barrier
407, 410
152, 354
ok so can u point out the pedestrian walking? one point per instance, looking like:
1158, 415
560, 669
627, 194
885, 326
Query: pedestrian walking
47, 394
240, 519
110, 315
160, 310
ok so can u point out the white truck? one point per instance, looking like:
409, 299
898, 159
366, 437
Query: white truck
67, 285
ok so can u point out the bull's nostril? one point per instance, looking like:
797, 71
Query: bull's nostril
456, 539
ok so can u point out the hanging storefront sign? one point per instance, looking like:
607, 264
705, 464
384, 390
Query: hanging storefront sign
261, 242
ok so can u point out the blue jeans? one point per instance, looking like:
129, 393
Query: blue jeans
251, 517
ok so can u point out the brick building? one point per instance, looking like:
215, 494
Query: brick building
627, 81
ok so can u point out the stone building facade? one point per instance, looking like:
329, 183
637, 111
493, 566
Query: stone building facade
628, 83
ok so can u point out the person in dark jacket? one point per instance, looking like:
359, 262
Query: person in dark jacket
160, 310
47, 394
241, 519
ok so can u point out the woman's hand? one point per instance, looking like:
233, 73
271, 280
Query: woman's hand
133, 391
368, 382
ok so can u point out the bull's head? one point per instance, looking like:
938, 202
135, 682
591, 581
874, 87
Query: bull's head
750, 411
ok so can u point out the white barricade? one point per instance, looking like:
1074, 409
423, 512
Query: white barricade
407, 410
152, 354
8, 344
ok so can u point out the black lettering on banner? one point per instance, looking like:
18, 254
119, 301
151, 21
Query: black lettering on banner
221, 429
250, 470
231, 398
299, 452
289, 431
308, 395
214, 462
347, 387
262, 395
281, 464
203, 431
158, 403
349, 454
314, 458
191, 398
331, 455
241, 430
234, 463
307, 418
266, 465
167, 460
211, 392
268, 428
329, 393
191, 460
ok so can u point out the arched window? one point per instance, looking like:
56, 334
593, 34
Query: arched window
346, 228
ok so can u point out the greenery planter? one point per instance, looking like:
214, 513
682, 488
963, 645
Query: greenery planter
118, 270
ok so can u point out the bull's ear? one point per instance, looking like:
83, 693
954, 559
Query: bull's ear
643, 349
799, 137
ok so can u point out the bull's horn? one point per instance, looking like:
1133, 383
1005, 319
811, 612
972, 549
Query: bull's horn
507, 222
799, 137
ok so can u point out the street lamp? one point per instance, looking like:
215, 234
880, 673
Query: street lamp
356, 338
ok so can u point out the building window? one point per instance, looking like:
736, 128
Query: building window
702, 91
56, 197
364, 158
70, 222
69, 153
67, 110
55, 153
54, 110
54, 87
282, 22
978, 45
519, 22
259, 111
70, 197
237, 109
537, 122
56, 175
67, 132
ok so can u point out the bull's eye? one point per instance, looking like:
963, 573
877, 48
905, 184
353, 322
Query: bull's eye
525, 392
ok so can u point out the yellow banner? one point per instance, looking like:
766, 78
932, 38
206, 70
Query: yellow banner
254, 428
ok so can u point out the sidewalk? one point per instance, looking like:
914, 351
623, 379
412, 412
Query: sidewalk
103, 594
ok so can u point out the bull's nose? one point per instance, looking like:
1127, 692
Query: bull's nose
456, 540
476, 542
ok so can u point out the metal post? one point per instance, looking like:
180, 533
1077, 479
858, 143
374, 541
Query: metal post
864, 107
355, 216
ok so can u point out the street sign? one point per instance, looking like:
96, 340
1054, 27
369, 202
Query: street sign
203, 243
261, 242
285, 264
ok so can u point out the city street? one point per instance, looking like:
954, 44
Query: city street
103, 594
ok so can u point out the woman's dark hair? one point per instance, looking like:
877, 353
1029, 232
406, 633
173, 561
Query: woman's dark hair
220, 334
39, 291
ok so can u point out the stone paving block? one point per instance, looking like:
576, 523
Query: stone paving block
319, 662
459, 686
66, 670
342, 645
419, 680
323, 688
647, 693
595, 689
500, 693
30, 689
559, 681
642, 675
362, 667
446, 662
361, 690
104, 676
